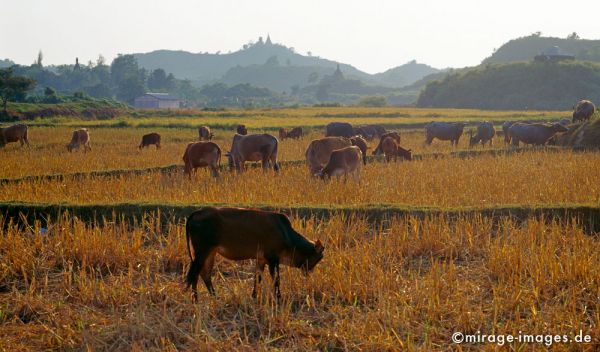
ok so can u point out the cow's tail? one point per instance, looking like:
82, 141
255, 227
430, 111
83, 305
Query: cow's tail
26, 136
195, 265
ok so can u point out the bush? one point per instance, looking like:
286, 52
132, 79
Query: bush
375, 101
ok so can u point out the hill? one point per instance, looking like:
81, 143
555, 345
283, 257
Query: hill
525, 48
516, 86
269, 65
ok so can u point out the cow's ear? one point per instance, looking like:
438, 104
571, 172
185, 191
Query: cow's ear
319, 246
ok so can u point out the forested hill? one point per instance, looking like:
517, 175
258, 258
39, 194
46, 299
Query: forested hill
525, 48
516, 86
270, 65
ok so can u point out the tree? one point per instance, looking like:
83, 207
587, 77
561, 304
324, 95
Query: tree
124, 67
40, 58
13, 88
50, 96
158, 80
130, 88
573, 36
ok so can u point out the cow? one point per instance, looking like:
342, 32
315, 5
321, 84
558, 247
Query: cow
319, 150
583, 111
362, 145
241, 129
204, 133
535, 133
395, 135
485, 133
243, 234
202, 154
339, 129
294, 133
506, 125
343, 162
445, 131
370, 131
390, 148
150, 139
253, 147
14, 133
81, 137
282, 133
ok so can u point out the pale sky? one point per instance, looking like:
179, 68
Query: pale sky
371, 35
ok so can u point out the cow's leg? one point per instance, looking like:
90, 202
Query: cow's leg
274, 271
195, 270
260, 268
157, 146
206, 271
214, 170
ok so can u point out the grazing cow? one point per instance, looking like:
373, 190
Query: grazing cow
485, 133
282, 133
362, 145
395, 135
445, 131
339, 129
295, 133
14, 133
253, 147
202, 154
150, 139
583, 111
535, 133
506, 125
319, 150
391, 149
343, 162
204, 133
243, 234
241, 129
81, 137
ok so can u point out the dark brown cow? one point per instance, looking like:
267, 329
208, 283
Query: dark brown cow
319, 150
204, 133
243, 234
14, 133
253, 147
362, 145
391, 149
485, 133
395, 135
81, 137
583, 111
294, 133
343, 162
150, 139
339, 129
202, 154
241, 129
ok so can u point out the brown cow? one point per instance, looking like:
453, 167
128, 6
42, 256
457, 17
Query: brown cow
14, 133
391, 149
204, 133
319, 150
150, 139
81, 137
294, 133
362, 145
202, 154
253, 147
343, 162
243, 234
241, 129
395, 135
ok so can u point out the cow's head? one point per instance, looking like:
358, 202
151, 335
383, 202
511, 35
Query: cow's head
311, 259
405, 153
70, 147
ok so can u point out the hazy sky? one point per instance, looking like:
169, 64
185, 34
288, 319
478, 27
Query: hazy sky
371, 35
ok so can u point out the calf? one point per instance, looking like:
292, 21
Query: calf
14, 133
393, 134
343, 162
150, 139
81, 137
362, 145
242, 234
202, 154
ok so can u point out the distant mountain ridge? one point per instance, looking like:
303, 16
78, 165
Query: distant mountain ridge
249, 65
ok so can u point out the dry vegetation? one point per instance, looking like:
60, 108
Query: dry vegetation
485, 181
404, 283
407, 283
